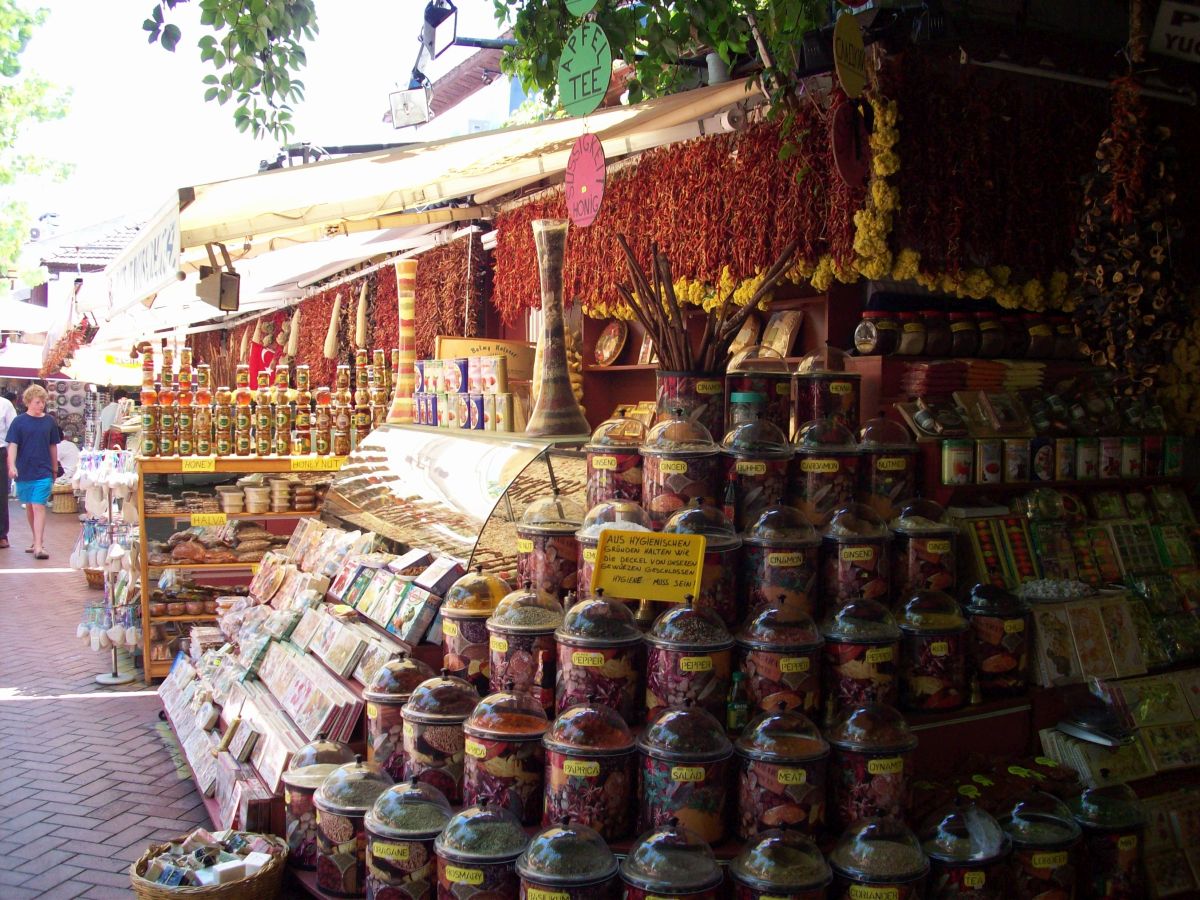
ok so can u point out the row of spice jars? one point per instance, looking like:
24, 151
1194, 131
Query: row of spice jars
963, 334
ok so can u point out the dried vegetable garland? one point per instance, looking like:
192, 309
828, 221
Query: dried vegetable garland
449, 291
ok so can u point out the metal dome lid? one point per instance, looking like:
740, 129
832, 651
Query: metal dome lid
824, 436
1114, 807
623, 515
700, 518
397, 679
779, 526
475, 594
409, 809
760, 438
687, 626
507, 715
321, 751
618, 433
781, 627
931, 612
599, 620
442, 698
527, 610
589, 728
552, 515
989, 600
782, 736
757, 359
679, 435
885, 434
686, 733
964, 833
861, 620
352, 789
485, 832
781, 862
875, 727
879, 850
569, 853
671, 859
855, 521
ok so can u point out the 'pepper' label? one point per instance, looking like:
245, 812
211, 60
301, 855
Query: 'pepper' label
591, 660
791, 664
891, 765
695, 663
879, 655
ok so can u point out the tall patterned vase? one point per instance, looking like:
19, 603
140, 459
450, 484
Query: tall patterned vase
406, 294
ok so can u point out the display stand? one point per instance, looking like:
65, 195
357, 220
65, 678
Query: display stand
115, 676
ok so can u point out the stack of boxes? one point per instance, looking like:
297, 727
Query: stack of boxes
466, 392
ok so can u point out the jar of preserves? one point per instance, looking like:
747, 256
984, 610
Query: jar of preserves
968, 853
620, 515
689, 659
591, 770
1113, 824
385, 697
342, 802
718, 580
433, 733
824, 388
600, 658
547, 553
614, 465
780, 863
401, 829
855, 557
567, 861
964, 335
878, 858
779, 650
912, 335
780, 560
671, 862
887, 469
824, 472
521, 643
505, 758
684, 767
876, 334
924, 555
1041, 336
754, 470
680, 462
465, 611
993, 342
870, 765
306, 772
938, 339
862, 651
933, 653
1044, 836
477, 853
998, 641
745, 406
781, 781
761, 371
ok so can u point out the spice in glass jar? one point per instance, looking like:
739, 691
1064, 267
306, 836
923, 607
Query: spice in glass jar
964, 334
992, 340
876, 334
912, 335
938, 341
1041, 336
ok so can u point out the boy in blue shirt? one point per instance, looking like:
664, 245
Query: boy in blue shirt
33, 439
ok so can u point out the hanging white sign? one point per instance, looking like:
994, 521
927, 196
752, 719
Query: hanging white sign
148, 264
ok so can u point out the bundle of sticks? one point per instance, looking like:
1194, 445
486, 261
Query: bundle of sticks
652, 299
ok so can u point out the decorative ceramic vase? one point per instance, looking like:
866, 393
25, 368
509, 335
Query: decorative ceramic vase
406, 296
556, 411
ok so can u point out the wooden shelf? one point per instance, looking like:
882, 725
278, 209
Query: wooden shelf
209, 567
633, 367
204, 617
293, 514
245, 465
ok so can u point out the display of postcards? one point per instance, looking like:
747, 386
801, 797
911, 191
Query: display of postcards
411, 563
1102, 766
1180, 636
1137, 505
1107, 505
376, 582
251, 653
270, 756
1122, 637
1056, 556
282, 623
362, 581
374, 656
1189, 686
1105, 554
324, 638
1135, 547
1057, 659
1153, 652
1174, 550
1172, 746
1159, 833
306, 535
1147, 702
1171, 506
335, 549
243, 742
272, 569
1158, 593
1169, 874
1091, 643
414, 615
384, 608
438, 576
345, 652
342, 581
1186, 583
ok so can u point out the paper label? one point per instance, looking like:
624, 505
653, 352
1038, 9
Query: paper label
208, 519
475, 749
648, 566
1049, 860
449, 628
584, 69
783, 389
850, 64
409, 731
524, 545
866, 891
459, 875
673, 466
589, 554
791, 776
1127, 842
538, 894
389, 851
590, 660
820, 466
974, 879
317, 463
499, 644
937, 546
695, 663
841, 387
857, 554
891, 464
710, 387
372, 711
206, 464
792, 664
687, 773
1014, 626
746, 467
892, 765
604, 463
879, 654
785, 560
939, 648
581, 769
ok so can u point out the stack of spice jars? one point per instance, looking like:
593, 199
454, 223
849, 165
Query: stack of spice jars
680, 463
547, 553
718, 579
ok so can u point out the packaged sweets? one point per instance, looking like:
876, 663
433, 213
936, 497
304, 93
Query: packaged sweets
878, 858
401, 828
433, 732
689, 658
680, 462
477, 853
779, 650
862, 653
569, 861
781, 774
504, 754
780, 560
780, 863
671, 862
685, 759
870, 765
824, 472
933, 653
342, 802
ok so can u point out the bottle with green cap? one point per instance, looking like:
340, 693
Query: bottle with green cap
737, 708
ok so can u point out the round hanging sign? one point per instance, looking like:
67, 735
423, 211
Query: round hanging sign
584, 185
849, 55
580, 7
584, 69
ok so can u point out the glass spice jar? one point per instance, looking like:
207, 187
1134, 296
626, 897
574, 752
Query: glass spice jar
505, 759
964, 335
1113, 824
1041, 336
823, 474
887, 471
758, 377
878, 858
1044, 837
591, 770
521, 643
614, 465
306, 772
870, 765
718, 577
386, 695
433, 733
779, 863
465, 611
824, 388
343, 800
862, 649
600, 657
689, 659
999, 641
477, 853
992, 339
618, 515
780, 560
401, 829
671, 863
912, 335
876, 334
933, 653
938, 339
567, 861
781, 781
855, 558
968, 852
924, 549
547, 553
680, 462
754, 467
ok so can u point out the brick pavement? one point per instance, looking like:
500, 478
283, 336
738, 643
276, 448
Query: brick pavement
86, 782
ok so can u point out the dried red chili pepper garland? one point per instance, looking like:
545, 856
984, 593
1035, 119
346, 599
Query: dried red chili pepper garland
449, 291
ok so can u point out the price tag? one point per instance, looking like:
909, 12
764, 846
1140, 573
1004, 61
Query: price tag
198, 464
200, 520
317, 463
647, 566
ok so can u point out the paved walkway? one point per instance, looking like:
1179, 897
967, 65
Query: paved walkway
85, 779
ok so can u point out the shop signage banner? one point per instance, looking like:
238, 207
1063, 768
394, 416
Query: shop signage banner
584, 69
1177, 30
584, 184
149, 264
642, 565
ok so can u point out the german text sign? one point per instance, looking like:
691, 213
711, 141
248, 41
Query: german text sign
640, 565
584, 69
584, 180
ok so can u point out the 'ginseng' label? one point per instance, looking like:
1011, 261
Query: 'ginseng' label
1014, 626
869, 892
459, 875
891, 464
475, 749
524, 545
791, 776
785, 560
382, 850
820, 466
891, 765
857, 554
604, 463
879, 655
1049, 860
695, 664
499, 644
687, 773
673, 466
937, 546
746, 467
791, 664
581, 769
591, 660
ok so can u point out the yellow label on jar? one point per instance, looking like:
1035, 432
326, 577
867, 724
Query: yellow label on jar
939, 648
745, 467
841, 387
791, 776
450, 629
589, 554
409, 731
201, 520
1049, 860
785, 560
974, 879
914, 327
1039, 330
317, 463
937, 546
459, 875
687, 773
695, 664
673, 466
605, 463
820, 466
783, 389
791, 664
1127, 842
892, 765
581, 769
879, 655
961, 326
499, 644
591, 660
475, 749
891, 464
372, 710
1014, 626
382, 850
524, 545
857, 554
208, 464
710, 387
868, 892
538, 894
287, 797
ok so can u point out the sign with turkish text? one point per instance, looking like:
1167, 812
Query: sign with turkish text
584, 69
584, 184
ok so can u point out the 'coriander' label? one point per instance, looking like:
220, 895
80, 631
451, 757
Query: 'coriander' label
499, 644
1014, 626
459, 875
1049, 860
475, 749
389, 851
785, 560
524, 545
581, 769
687, 773
695, 663
939, 648
820, 466
604, 463
879, 655
591, 660
746, 467
449, 628
791, 776
673, 466
891, 765
869, 892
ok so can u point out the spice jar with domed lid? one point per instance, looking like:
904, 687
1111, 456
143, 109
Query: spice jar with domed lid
780, 560
824, 473
855, 557
307, 771
779, 651
718, 578
968, 852
614, 465
671, 862
342, 802
504, 754
1044, 839
862, 652
1113, 824
781, 778
547, 553
401, 828
521, 643
824, 388
617, 515
878, 858
567, 861
887, 471
433, 732
924, 545
998, 642
600, 655
477, 853
871, 764
754, 469
690, 657
465, 611
386, 695
933, 653
680, 462
779, 863
591, 770
763, 372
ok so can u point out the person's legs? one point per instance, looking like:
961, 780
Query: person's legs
37, 521
4, 491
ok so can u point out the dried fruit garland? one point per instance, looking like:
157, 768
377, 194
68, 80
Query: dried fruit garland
64, 348
449, 291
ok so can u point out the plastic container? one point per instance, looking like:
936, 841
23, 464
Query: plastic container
933, 653
433, 733
690, 395
924, 550
600, 658
684, 767
623, 515
760, 370
671, 862
567, 861
779, 650
614, 465
855, 558
689, 658
992, 339
870, 766
547, 553
1044, 838
876, 334
938, 337
824, 388
754, 470
781, 778
964, 335
680, 462
887, 470
1113, 824
777, 863
401, 828
862, 654
465, 610
824, 473
342, 802
477, 853
386, 695
912, 335
998, 641
968, 853
505, 760
780, 560
591, 767
521, 643
718, 581
307, 771
878, 858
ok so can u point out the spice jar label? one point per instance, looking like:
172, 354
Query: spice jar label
937, 546
974, 879
695, 663
892, 765
891, 464
745, 467
879, 655
591, 660
868, 892
1049, 860
783, 389
499, 644
939, 648
475, 749
459, 875
581, 769
820, 466
841, 387
409, 731
687, 773
710, 387
200, 520
785, 560
1014, 626
537, 894
372, 710
589, 554
1127, 842
449, 628
792, 776
857, 554
384, 850
673, 466
524, 545
198, 465
790, 664
317, 463
604, 463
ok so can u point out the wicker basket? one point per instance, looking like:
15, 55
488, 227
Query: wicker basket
95, 578
265, 884
62, 500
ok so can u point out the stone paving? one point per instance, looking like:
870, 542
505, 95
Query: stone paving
86, 782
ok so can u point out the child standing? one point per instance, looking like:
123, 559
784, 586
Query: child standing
33, 441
